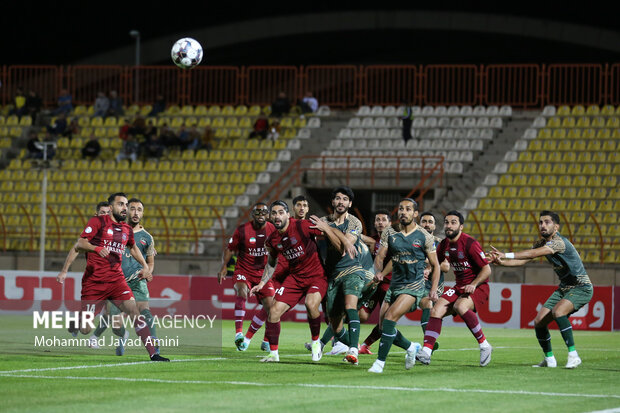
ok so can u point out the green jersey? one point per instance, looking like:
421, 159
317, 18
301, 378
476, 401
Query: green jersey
335, 262
565, 261
409, 251
146, 245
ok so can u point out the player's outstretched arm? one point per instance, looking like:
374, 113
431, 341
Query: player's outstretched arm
226, 256
516, 259
71, 256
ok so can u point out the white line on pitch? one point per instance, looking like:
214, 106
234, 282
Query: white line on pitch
94, 366
612, 410
323, 386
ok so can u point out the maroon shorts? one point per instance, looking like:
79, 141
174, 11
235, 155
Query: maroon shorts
294, 288
95, 294
377, 298
480, 295
251, 281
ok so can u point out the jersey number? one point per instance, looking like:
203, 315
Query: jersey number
280, 291
240, 277
90, 308
450, 292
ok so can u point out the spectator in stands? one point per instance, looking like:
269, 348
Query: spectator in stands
130, 150
123, 131
151, 129
407, 118
194, 138
154, 147
167, 137
102, 104
116, 105
308, 103
274, 130
261, 127
281, 106
92, 148
34, 103
19, 103
138, 127
73, 129
65, 103
159, 106
59, 125
208, 139
36, 147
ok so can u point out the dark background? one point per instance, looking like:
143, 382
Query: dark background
62, 33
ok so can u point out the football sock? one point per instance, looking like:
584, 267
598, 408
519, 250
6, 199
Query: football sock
239, 314
257, 322
566, 329
144, 332
104, 323
315, 327
374, 335
387, 338
401, 341
328, 334
272, 333
342, 336
354, 328
433, 330
471, 320
544, 339
426, 314
148, 317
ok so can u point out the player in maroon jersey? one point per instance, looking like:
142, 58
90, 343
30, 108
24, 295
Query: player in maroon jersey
248, 243
104, 240
382, 222
472, 271
294, 241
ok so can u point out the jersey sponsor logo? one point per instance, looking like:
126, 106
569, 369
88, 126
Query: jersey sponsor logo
143, 242
252, 240
416, 243
124, 236
293, 240
461, 255
110, 232
88, 230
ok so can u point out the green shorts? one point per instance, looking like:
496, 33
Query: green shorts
391, 296
579, 296
139, 289
428, 285
367, 293
350, 284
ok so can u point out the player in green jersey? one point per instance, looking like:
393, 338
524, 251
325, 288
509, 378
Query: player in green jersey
410, 247
575, 289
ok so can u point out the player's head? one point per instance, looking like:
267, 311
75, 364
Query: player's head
300, 207
548, 223
427, 221
103, 208
382, 220
136, 211
278, 214
342, 199
407, 211
453, 224
260, 213
118, 204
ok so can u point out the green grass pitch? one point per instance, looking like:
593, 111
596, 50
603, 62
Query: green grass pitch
237, 382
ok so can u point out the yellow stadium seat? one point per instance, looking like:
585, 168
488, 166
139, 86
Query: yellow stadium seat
173, 110
544, 133
613, 122
254, 110
191, 121
228, 110
214, 111
187, 110
200, 110
241, 110
598, 122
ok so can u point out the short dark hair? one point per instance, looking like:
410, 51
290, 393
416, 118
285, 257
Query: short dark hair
456, 214
425, 213
258, 204
343, 190
132, 200
279, 202
415, 204
383, 212
554, 217
299, 198
102, 204
112, 197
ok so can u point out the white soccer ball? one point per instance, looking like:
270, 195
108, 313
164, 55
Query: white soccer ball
186, 53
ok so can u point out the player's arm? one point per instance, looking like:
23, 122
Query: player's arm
340, 241
435, 273
483, 275
379, 258
226, 256
146, 270
71, 256
270, 268
515, 259
370, 242
83, 245
150, 262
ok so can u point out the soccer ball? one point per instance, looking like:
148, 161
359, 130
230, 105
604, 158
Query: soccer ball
186, 53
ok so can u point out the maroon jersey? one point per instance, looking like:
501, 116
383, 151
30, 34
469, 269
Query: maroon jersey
102, 231
465, 257
249, 242
298, 246
388, 256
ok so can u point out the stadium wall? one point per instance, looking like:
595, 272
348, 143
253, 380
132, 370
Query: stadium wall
510, 305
